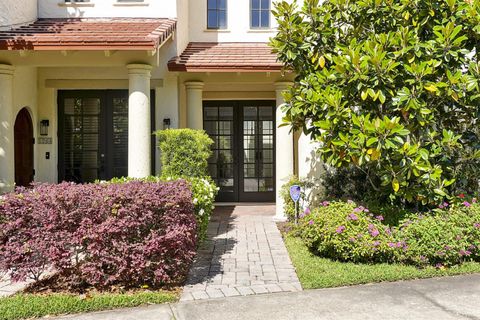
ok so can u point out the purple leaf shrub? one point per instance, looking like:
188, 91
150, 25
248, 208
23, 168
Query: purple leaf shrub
131, 234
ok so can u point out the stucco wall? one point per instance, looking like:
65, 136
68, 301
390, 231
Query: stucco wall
238, 19
107, 8
14, 12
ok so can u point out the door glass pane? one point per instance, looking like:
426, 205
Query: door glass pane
81, 143
266, 113
249, 156
218, 123
224, 142
249, 142
267, 142
250, 185
249, 170
249, 127
266, 185
210, 127
210, 113
224, 127
250, 113
120, 136
267, 170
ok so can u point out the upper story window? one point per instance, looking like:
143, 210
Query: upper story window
216, 14
260, 14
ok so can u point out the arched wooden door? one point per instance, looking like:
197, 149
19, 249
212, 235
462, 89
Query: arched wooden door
23, 149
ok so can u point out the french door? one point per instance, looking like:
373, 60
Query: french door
93, 134
243, 159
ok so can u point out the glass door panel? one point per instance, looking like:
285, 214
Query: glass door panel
258, 161
219, 124
81, 143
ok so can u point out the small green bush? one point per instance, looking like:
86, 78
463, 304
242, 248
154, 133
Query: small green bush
347, 232
289, 205
443, 237
185, 152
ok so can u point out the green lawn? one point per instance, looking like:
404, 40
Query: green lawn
316, 272
27, 306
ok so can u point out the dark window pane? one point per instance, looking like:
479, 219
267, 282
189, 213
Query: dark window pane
267, 156
212, 4
265, 18
267, 170
210, 113
222, 19
265, 4
255, 19
226, 113
255, 4
266, 113
212, 22
210, 127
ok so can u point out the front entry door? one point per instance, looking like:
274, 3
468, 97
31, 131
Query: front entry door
23, 136
243, 160
93, 135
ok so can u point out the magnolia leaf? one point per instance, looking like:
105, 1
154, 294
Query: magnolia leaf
431, 88
395, 185
321, 62
364, 95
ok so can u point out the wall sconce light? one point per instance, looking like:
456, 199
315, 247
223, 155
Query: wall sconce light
166, 123
44, 124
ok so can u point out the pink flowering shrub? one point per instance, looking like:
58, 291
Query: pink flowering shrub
347, 232
132, 234
444, 237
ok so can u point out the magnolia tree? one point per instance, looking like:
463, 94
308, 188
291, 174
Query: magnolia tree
390, 87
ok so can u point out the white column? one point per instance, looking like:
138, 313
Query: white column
139, 125
283, 150
7, 156
194, 104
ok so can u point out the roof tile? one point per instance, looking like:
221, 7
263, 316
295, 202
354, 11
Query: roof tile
89, 34
225, 57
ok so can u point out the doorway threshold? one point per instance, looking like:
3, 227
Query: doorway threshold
243, 204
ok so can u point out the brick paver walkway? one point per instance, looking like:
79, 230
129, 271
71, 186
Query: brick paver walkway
243, 255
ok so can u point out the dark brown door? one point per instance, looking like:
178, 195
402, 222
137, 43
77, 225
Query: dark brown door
243, 159
93, 134
23, 132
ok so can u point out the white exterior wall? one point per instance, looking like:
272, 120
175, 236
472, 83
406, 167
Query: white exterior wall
107, 8
14, 12
238, 21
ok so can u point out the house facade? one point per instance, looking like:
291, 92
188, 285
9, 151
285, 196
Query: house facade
83, 84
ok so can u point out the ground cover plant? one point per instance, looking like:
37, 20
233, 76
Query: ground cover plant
28, 306
318, 272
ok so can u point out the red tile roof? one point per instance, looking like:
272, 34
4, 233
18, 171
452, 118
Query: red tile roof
89, 34
225, 57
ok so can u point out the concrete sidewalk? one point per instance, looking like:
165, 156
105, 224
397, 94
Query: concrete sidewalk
440, 298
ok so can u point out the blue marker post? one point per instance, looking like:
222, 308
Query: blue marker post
295, 193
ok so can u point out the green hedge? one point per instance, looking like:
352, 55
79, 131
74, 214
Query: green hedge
184, 152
